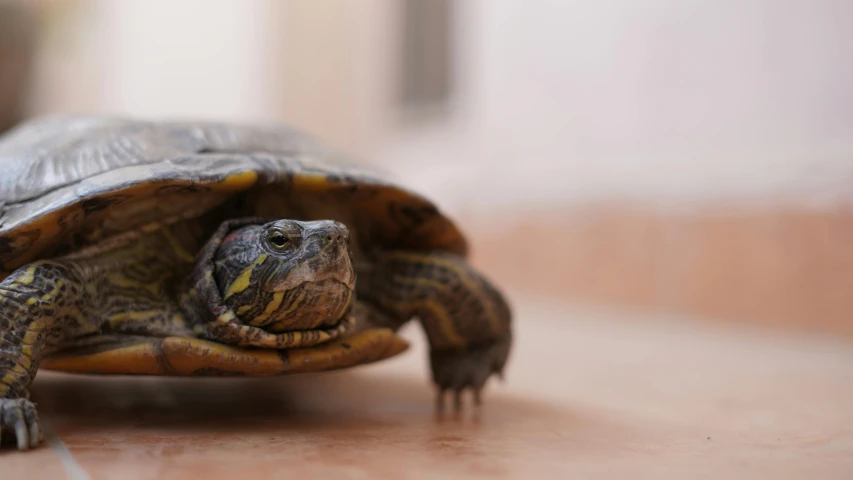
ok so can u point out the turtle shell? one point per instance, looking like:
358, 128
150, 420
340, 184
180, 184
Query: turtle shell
68, 182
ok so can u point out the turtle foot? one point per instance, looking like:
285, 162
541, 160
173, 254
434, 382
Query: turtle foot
18, 416
457, 370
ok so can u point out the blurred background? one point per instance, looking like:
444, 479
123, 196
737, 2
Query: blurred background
668, 156
664, 188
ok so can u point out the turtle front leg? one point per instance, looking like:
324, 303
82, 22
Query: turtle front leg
35, 302
466, 319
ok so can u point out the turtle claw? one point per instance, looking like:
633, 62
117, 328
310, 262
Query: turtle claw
478, 401
458, 404
19, 415
461, 369
457, 401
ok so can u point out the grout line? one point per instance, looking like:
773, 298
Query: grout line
74, 470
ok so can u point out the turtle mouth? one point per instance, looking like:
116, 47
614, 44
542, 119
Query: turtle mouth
339, 269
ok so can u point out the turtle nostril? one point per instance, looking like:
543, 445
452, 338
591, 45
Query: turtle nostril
336, 234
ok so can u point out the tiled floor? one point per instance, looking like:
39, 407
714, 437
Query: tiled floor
587, 394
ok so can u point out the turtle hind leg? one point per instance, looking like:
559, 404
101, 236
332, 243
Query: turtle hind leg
466, 319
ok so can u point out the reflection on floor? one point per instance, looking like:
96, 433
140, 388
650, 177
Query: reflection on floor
586, 393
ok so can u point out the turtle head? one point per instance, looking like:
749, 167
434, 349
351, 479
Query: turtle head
286, 275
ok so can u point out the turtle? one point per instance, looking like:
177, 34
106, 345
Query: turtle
136, 246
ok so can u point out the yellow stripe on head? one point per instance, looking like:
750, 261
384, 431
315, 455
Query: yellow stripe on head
243, 280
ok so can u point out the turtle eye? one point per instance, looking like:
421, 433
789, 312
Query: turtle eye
278, 240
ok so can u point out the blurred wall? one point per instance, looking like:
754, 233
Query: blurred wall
318, 65
17, 39
568, 101
150, 58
